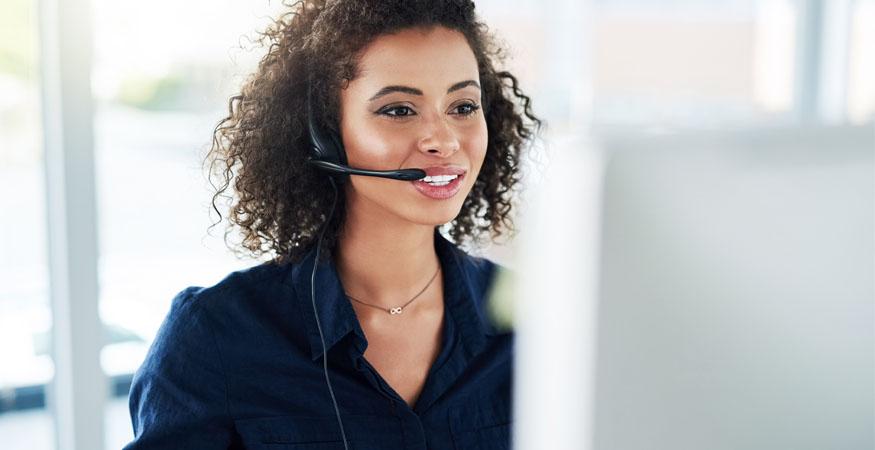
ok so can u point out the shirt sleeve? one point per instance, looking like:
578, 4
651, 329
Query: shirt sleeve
178, 397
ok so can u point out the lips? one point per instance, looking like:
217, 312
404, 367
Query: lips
443, 170
451, 175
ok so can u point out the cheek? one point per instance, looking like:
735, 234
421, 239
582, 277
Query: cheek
371, 147
477, 144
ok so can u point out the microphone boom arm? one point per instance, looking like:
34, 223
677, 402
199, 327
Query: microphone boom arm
400, 174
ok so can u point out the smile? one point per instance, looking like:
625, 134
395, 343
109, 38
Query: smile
439, 187
440, 180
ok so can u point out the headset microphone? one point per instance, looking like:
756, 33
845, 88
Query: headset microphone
401, 174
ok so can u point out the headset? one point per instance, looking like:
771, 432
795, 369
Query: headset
327, 154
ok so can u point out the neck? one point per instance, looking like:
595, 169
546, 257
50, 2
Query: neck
384, 261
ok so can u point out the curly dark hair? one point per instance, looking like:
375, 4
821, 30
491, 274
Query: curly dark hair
261, 146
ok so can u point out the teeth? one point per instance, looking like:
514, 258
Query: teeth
444, 179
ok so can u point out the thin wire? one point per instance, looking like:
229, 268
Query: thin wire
389, 310
318, 325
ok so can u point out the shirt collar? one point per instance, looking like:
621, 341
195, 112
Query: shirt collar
465, 283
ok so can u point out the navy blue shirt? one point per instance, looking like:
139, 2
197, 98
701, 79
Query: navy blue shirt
238, 365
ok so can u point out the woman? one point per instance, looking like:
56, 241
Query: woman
367, 329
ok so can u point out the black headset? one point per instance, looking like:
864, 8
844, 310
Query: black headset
327, 154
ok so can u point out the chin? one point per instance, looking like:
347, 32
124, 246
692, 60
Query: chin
435, 214
414, 208
435, 218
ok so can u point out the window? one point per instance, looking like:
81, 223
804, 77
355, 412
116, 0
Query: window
861, 73
159, 93
25, 316
693, 63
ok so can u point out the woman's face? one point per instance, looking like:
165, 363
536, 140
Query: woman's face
415, 104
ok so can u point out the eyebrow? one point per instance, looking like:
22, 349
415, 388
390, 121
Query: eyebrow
413, 91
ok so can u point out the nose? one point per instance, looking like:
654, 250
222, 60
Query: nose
438, 138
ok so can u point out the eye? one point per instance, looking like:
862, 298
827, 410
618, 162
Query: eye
396, 111
466, 109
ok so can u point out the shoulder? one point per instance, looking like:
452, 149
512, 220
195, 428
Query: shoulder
241, 305
491, 286
481, 270
262, 281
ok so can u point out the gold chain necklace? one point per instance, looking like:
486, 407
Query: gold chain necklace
399, 309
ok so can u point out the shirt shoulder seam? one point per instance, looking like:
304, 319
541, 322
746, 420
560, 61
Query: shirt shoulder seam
201, 307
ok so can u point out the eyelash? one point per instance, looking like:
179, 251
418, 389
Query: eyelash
473, 108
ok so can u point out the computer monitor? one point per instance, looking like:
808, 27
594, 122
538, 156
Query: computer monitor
735, 306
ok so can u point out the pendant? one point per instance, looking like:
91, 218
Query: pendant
394, 311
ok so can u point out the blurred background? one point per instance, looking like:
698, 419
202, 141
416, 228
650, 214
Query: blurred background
160, 74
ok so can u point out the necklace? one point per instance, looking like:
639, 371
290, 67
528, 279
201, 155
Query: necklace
398, 309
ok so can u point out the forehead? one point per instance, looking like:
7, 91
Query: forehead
417, 57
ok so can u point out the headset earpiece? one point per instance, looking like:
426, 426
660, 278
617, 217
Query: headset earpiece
327, 152
325, 145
